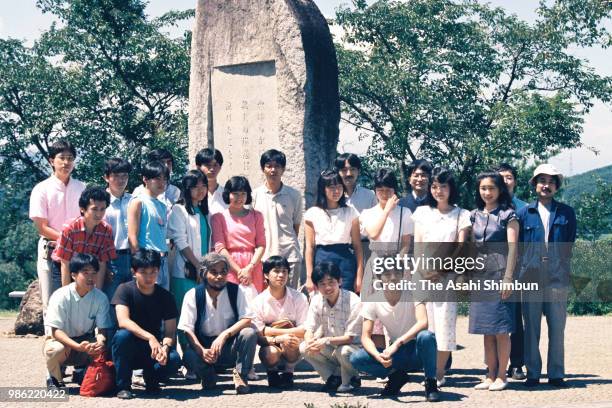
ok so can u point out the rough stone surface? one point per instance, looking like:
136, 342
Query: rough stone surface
228, 37
30, 319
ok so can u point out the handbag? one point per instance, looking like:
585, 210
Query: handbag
99, 378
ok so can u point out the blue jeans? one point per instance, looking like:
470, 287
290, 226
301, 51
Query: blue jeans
163, 278
131, 352
120, 268
416, 355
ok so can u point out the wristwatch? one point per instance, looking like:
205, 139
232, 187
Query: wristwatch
328, 341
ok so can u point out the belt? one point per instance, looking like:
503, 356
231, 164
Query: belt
545, 259
123, 251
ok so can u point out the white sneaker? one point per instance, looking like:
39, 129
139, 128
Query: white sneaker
345, 388
485, 385
252, 375
441, 382
498, 385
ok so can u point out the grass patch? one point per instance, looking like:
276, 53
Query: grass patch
8, 313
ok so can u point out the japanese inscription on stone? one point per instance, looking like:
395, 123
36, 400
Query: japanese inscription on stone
244, 111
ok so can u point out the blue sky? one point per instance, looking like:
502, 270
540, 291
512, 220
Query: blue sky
21, 19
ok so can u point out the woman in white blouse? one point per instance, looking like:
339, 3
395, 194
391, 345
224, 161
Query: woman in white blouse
388, 226
331, 228
189, 229
441, 221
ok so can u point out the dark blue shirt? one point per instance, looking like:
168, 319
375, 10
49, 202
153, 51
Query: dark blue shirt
410, 202
548, 264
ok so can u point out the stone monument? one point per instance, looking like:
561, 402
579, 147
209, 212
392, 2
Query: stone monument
264, 75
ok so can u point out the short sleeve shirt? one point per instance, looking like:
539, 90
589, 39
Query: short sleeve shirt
75, 239
147, 311
267, 309
281, 212
56, 202
331, 226
440, 227
391, 229
361, 199
76, 315
216, 319
396, 319
342, 319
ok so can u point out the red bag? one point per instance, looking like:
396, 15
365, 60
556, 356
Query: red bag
99, 378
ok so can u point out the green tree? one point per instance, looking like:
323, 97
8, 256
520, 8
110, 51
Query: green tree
466, 85
105, 76
594, 212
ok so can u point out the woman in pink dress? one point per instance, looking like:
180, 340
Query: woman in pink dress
238, 233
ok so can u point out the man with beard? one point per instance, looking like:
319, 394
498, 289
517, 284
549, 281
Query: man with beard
216, 320
547, 234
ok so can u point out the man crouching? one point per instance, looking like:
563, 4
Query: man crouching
217, 323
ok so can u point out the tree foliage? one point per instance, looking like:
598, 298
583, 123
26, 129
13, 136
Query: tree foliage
466, 85
105, 76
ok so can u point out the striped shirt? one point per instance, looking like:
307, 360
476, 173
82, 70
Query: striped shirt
75, 239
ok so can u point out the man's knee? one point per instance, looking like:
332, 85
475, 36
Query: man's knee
53, 348
346, 351
248, 335
359, 359
122, 338
425, 337
269, 356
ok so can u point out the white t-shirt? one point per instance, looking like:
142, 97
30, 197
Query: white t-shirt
216, 319
435, 226
396, 320
390, 231
545, 217
215, 201
331, 226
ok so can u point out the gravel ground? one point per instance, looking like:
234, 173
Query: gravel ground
588, 364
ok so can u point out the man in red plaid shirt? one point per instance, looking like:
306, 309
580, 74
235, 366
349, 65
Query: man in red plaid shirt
87, 234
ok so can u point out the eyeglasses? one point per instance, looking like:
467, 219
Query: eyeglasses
224, 272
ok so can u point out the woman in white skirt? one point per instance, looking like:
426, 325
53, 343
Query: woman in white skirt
441, 221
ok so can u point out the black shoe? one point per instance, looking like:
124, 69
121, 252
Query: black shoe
152, 388
286, 380
208, 384
516, 373
332, 383
532, 382
395, 383
557, 382
53, 384
125, 394
274, 379
356, 382
431, 390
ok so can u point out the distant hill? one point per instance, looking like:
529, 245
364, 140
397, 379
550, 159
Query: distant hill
585, 182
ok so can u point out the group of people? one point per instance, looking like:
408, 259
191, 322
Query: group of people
200, 275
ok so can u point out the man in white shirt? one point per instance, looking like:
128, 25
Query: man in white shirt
282, 207
74, 312
216, 320
411, 346
280, 313
332, 332
209, 161
349, 167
